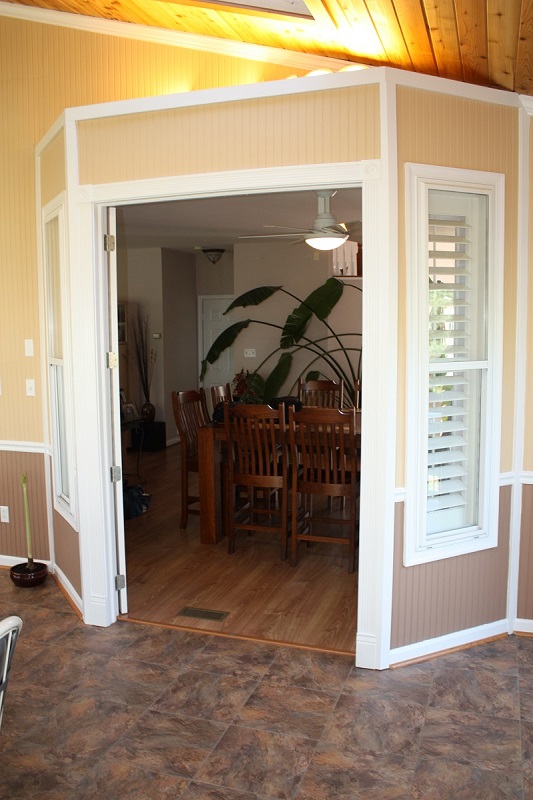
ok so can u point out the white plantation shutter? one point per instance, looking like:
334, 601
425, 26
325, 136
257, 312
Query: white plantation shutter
455, 253
449, 469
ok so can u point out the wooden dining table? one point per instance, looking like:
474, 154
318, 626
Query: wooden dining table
211, 440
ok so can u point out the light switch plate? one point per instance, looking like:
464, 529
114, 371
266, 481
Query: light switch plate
30, 387
28, 347
4, 513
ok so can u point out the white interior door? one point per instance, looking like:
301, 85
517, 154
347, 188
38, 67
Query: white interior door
114, 394
211, 323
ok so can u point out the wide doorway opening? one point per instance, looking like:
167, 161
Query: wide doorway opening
165, 269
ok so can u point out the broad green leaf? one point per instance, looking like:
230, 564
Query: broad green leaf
256, 385
221, 343
313, 375
295, 326
253, 298
324, 299
277, 377
320, 303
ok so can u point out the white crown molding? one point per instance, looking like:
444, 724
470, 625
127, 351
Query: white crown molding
527, 103
190, 41
24, 447
433, 83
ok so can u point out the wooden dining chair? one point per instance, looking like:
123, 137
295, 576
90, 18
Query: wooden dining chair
321, 393
190, 413
324, 448
257, 472
220, 394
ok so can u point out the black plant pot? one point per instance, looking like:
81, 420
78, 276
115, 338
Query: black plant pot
28, 574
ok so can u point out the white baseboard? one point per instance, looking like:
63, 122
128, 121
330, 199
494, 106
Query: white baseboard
441, 644
69, 589
367, 652
523, 626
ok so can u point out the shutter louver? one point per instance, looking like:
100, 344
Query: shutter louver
453, 395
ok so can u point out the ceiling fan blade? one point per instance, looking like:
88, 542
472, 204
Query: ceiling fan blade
297, 234
325, 223
353, 229
288, 228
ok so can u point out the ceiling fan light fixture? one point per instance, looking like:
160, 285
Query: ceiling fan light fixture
213, 254
322, 241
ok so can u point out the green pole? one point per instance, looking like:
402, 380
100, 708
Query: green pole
24, 482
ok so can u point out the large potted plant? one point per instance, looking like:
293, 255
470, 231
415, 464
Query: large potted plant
327, 353
30, 572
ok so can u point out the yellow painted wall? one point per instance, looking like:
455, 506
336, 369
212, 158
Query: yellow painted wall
452, 131
528, 431
310, 128
525, 582
445, 596
43, 70
53, 169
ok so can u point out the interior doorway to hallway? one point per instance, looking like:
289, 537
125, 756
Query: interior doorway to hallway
154, 544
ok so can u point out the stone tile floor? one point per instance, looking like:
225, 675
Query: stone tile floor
141, 712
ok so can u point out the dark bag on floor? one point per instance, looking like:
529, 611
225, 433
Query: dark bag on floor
136, 502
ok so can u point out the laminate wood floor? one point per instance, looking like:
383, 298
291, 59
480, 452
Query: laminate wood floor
311, 605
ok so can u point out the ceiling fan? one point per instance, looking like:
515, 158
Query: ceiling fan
325, 234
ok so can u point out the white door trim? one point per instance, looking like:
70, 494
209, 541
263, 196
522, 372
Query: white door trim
377, 509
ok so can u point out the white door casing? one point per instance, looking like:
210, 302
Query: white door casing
377, 508
211, 323
114, 378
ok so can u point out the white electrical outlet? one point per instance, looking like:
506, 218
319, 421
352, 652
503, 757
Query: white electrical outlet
4, 513
30, 387
249, 352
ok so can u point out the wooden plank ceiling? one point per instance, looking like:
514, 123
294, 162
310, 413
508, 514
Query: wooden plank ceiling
484, 42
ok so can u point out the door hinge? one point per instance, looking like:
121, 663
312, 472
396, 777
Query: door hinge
120, 582
116, 474
112, 360
109, 243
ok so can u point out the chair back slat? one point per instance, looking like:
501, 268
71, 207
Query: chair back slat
323, 442
190, 413
325, 463
321, 393
257, 474
221, 393
256, 433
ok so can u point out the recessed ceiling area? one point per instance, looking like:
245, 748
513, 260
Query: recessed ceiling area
190, 225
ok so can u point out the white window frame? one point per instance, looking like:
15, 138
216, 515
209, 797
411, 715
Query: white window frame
65, 505
420, 179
